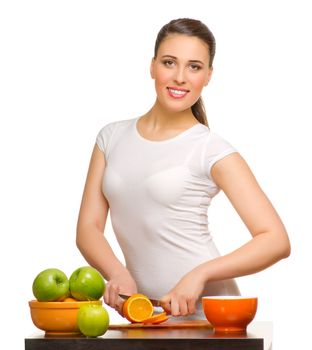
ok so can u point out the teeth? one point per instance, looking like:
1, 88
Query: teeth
177, 92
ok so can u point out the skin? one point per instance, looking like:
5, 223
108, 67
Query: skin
183, 62
175, 67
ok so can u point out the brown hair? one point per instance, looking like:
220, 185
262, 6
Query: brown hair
191, 27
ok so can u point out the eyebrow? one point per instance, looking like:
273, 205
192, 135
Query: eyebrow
175, 58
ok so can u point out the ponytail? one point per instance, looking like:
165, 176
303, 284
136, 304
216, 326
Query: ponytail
199, 112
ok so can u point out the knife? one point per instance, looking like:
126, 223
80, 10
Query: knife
154, 302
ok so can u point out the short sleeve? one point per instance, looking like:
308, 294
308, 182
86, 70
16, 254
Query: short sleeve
103, 138
216, 149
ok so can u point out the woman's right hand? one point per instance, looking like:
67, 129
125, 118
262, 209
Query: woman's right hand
121, 283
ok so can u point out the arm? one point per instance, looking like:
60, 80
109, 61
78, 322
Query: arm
269, 241
90, 239
268, 245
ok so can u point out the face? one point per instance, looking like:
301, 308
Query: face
180, 70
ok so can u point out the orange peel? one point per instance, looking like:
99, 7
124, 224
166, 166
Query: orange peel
156, 319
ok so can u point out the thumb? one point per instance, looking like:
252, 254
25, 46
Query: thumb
165, 303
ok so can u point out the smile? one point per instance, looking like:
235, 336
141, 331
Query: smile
177, 93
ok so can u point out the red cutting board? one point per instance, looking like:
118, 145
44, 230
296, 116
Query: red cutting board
167, 324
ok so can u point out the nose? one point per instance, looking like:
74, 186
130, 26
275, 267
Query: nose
179, 76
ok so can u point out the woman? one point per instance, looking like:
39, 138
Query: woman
157, 175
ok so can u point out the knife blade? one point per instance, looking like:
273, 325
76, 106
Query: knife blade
154, 302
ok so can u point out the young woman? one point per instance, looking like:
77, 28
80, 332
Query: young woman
157, 175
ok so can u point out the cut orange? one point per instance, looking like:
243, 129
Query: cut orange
157, 318
137, 308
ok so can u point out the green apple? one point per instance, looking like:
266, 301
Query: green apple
93, 320
86, 283
51, 285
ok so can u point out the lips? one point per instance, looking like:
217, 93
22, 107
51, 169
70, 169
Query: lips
177, 92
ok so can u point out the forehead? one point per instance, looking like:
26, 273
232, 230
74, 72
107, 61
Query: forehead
184, 47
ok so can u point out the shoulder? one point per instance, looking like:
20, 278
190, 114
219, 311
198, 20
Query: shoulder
211, 138
108, 132
110, 128
215, 148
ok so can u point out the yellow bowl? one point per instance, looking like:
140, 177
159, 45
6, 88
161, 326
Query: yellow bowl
57, 317
229, 314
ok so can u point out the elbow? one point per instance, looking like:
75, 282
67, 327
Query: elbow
79, 239
286, 250
284, 247
77, 242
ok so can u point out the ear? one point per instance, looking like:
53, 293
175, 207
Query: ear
209, 74
152, 68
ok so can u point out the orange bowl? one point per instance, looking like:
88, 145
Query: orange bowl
229, 314
57, 317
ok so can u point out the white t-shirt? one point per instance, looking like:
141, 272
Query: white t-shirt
158, 193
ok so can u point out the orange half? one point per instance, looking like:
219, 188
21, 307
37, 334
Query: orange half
137, 308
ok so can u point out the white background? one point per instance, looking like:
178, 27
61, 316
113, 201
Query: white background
69, 67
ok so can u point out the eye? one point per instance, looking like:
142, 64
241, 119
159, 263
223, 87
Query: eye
195, 67
168, 63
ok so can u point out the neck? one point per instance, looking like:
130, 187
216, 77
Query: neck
158, 117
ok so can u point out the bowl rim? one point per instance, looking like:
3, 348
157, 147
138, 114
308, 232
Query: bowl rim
35, 304
229, 297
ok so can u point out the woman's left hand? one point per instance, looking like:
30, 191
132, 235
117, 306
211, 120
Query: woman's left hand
181, 300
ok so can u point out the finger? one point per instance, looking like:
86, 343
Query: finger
109, 295
183, 307
175, 307
113, 295
106, 294
166, 304
192, 306
119, 306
